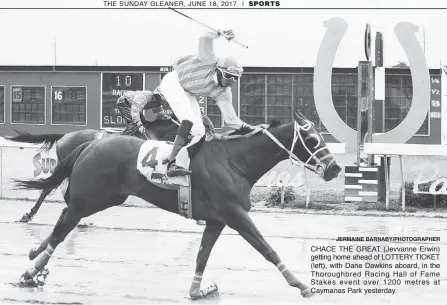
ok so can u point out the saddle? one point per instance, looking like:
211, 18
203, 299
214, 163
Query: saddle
116, 132
106, 132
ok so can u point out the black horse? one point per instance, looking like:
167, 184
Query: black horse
104, 173
66, 143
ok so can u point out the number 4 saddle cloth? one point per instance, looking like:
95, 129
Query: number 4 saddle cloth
152, 164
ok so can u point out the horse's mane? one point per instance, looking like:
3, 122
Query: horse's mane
243, 131
240, 132
159, 123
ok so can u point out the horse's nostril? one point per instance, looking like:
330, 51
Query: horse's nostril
334, 169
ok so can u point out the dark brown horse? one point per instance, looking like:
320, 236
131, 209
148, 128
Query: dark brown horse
103, 173
66, 143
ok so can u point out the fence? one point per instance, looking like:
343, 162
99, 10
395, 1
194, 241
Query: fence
26, 161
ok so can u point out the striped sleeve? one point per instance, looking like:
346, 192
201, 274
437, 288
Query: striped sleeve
224, 101
206, 48
138, 103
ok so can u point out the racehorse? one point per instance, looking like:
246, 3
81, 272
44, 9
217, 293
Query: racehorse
66, 143
104, 173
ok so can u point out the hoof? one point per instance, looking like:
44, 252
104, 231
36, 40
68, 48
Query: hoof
201, 222
27, 283
210, 291
25, 218
307, 293
33, 253
26, 280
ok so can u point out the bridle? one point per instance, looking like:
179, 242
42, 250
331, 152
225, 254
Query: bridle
319, 166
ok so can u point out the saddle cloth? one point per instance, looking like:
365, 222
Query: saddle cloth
152, 164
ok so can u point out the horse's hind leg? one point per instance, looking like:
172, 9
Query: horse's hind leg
29, 216
210, 235
68, 220
239, 220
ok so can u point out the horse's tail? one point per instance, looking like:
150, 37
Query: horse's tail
62, 171
48, 140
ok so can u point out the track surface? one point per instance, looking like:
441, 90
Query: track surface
147, 256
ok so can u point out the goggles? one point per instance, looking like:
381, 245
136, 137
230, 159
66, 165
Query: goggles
231, 73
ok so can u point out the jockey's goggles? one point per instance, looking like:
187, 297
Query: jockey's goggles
231, 73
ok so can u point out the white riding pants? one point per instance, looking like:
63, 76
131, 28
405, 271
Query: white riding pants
183, 104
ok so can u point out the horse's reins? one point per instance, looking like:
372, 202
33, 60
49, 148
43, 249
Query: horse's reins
319, 167
175, 122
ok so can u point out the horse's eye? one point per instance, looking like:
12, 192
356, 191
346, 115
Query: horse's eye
311, 141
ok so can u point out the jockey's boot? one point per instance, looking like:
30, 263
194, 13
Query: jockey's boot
179, 142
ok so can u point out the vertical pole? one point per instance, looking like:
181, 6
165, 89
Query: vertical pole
402, 180
283, 190
369, 97
266, 100
55, 54
379, 107
364, 106
359, 105
292, 103
387, 183
307, 188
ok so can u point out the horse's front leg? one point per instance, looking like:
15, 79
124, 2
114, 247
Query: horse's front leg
210, 235
238, 219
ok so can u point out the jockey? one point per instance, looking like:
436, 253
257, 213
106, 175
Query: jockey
131, 105
205, 75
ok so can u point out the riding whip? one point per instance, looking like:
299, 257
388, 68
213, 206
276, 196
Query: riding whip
234, 40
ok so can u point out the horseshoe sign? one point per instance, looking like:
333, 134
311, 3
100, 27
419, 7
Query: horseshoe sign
405, 32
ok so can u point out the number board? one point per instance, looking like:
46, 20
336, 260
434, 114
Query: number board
68, 94
28, 104
435, 96
113, 86
17, 95
30, 94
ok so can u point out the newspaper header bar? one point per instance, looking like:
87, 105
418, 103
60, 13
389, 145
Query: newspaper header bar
218, 4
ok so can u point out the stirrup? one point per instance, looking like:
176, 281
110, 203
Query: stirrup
176, 170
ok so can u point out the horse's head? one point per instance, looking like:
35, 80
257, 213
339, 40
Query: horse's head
310, 148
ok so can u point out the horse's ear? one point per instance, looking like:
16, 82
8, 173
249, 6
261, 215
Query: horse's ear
295, 115
298, 116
